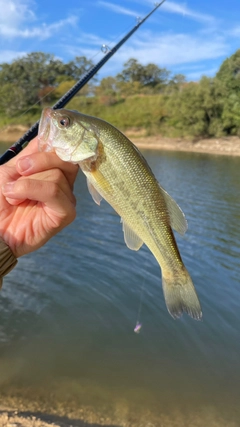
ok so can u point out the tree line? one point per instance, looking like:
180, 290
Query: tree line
167, 104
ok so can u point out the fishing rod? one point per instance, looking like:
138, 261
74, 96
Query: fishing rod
33, 131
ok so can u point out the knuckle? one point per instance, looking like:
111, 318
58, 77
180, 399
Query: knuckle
72, 215
68, 215
57, 175
54, 189
25, 185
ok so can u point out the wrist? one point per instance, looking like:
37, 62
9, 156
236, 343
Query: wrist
7, 260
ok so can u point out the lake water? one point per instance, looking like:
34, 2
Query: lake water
67, 313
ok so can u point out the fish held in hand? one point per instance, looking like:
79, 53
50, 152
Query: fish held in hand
117, 171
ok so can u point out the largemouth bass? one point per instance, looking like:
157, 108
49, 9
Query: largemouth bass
117, 172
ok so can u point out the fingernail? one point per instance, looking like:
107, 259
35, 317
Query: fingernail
8, 187
24, 164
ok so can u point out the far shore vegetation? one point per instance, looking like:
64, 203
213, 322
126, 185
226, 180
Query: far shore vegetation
142, 99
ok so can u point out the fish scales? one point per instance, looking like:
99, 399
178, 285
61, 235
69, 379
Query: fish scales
134, 190
117, 172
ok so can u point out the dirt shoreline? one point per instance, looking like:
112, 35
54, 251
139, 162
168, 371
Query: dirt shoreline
221, 146
10, 134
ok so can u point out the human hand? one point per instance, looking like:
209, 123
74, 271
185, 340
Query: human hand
36, 198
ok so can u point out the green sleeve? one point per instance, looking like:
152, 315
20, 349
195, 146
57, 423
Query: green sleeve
7, 260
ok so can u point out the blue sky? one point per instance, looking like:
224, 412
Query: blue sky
190, 37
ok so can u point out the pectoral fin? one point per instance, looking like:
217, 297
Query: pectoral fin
98, 181
94, 193
131, 239
102, 182
177, 218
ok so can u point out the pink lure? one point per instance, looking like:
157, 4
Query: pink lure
137, 328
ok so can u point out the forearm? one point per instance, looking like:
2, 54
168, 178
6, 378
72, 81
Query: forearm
7, 260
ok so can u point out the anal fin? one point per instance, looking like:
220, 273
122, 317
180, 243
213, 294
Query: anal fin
131, 239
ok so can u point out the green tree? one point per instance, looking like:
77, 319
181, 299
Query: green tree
149, 75
229, 73
132, 71
11, 98
34, 77
154, 76
196, 109
129, 88
176, 82
107, 90
76, 68
30, 74
228, 77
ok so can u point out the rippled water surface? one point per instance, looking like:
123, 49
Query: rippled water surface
67, 312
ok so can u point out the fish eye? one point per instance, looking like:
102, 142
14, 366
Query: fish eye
64, 122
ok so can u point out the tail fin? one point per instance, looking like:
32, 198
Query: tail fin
180, 295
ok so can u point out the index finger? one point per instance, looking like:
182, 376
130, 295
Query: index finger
42, 161
32, 147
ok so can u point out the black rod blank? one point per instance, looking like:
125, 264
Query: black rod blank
33, 131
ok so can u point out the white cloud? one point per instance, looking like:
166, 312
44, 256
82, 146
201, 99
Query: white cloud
172, 49
165, 50
43, 31
9, 55
181, 9
179, 51
16, 13
118, 9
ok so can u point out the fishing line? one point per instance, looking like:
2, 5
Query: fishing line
138, 326
33, 131
138, 323
105, 47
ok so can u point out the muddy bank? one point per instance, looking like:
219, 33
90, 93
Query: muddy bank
227, 145
10, 134
28, 419
13, 419
17, 410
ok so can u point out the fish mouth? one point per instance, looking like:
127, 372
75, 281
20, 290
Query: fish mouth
45, 134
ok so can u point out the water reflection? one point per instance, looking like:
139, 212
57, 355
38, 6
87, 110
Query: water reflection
68, 311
